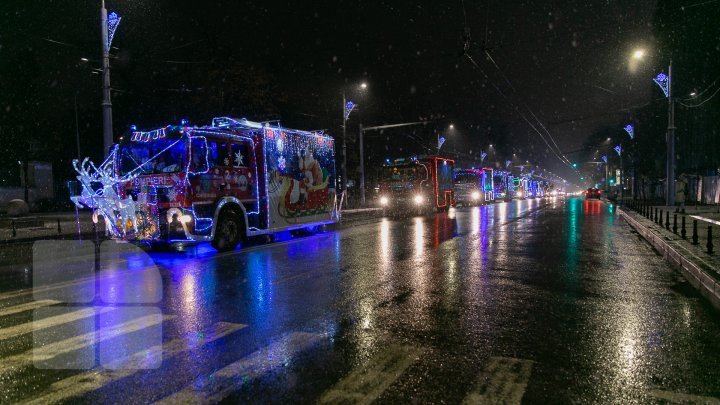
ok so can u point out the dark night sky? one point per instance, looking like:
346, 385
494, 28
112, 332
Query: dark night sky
567, 62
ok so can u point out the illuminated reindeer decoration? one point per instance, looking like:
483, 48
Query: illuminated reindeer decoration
105, 200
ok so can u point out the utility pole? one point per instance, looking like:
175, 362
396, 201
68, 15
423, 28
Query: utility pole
106, 103
670, 196
362, 165
344, 144
77, 129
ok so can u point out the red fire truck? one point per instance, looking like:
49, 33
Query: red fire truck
221, 183
417, 185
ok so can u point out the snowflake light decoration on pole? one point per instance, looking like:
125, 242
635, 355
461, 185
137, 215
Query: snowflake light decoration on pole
662, 80
618, 149
441, 141
483, 156
349, 106
630, 130
604, 158
113, 22
507, 163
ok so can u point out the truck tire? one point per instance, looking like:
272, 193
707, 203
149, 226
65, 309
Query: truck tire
229, 231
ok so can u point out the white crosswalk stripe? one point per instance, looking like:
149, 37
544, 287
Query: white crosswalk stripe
364, 384
28, 306
92, 380
52, 350
70, 316
503, 381
217, 386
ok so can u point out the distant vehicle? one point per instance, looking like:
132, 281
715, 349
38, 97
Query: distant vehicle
469, 187
592, 193
417, 186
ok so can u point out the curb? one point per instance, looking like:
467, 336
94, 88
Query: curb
706, 283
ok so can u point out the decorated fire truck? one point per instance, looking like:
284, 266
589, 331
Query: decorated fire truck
417, 186
504, 186
469, 187
488, 184
220, 183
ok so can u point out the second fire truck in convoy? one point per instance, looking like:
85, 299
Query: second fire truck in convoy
417, 186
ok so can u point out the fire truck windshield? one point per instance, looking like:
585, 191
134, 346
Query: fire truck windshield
466, 178
403, 173
159, 156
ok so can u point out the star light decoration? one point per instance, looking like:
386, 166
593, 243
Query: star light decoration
349, 106
663, 81
113, 21
630, 130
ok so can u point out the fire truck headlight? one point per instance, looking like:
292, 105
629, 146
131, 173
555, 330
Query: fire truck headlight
384, 200
185, 219
475, 195
419, 199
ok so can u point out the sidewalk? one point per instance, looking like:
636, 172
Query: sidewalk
701, 268
61, 225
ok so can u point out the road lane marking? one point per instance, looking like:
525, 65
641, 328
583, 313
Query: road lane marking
92, 380
218, 385
503, 381
28, 306
28, 327
52, 350
365, 384
680, 398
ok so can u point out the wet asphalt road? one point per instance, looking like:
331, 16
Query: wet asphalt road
536, 301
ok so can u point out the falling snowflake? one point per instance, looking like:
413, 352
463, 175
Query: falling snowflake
281, 164
239, 159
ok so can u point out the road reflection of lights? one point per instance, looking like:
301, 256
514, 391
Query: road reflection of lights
367, 334
475, 220
385, 247
419, 237
502, 210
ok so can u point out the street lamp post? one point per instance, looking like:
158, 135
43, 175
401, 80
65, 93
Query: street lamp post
346, 114
671, 143
106, 103
347, 108
665, 83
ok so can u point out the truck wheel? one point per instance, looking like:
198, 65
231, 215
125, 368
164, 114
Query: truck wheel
228, 232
